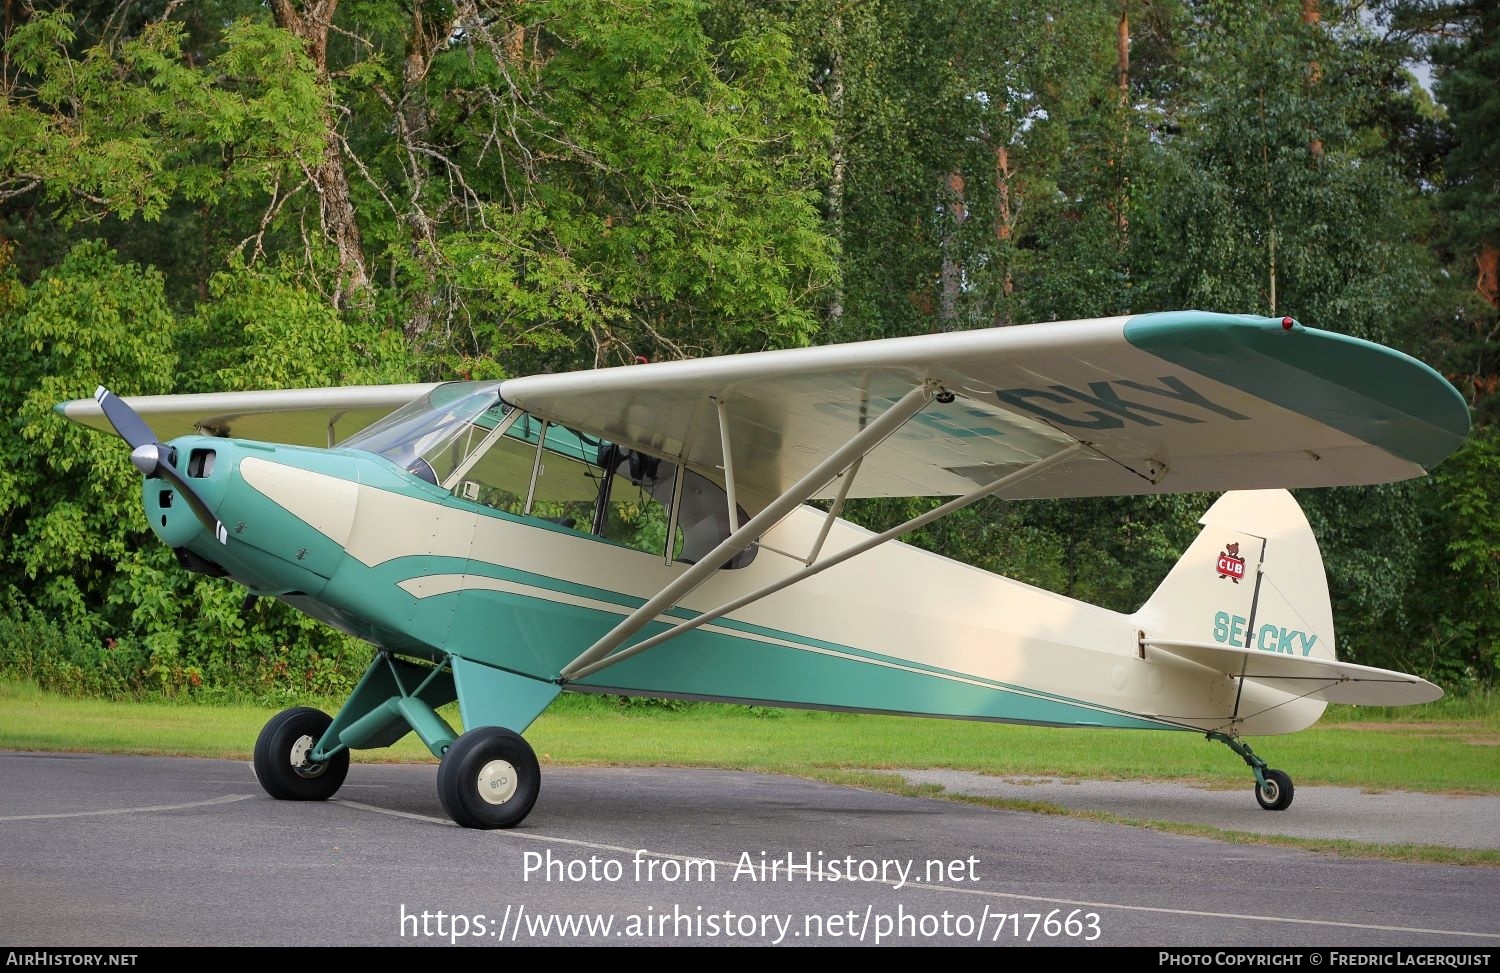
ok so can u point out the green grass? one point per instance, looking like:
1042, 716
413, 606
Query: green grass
1452, 746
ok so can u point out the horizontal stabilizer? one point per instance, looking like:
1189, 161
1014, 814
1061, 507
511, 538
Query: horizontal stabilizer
1325, 679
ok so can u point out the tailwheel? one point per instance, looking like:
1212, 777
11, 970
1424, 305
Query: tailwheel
282, 757
1273, 788
488, 779
1275, 794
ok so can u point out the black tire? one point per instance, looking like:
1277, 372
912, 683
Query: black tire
488, 779
297, 730
1276, 795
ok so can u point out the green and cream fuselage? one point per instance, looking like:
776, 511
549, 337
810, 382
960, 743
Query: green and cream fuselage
506, 600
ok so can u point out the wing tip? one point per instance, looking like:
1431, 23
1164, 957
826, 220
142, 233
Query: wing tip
1377, 394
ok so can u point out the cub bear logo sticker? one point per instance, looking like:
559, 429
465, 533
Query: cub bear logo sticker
1231, 565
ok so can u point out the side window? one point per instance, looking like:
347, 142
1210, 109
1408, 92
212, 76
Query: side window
702, 518
501, 476
567, 475
600, 489
635, 510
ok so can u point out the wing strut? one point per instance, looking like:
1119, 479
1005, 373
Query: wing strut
579, 670
734, 507
797, 494
834, 511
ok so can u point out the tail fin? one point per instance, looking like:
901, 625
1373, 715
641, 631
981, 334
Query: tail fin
1249, 600
1253, 579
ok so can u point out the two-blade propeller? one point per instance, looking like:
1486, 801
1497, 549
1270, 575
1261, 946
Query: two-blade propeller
153, 457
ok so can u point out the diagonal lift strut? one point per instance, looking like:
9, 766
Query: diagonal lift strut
591, 663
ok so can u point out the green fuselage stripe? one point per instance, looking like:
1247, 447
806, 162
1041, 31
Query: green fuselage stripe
430, 566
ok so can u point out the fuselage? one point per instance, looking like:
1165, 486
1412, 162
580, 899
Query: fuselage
354, 540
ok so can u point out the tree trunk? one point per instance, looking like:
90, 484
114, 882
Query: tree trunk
1005, 220
336, 213
515, 43
1270, 203
1122, 53
5, 29
836, 151
952, 272
1122, 76
1488, 278
412, 122
1312, 17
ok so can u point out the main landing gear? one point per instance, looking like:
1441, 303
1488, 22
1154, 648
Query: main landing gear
1273, 788
488, 778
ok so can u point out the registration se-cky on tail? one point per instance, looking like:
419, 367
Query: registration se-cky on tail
646, 530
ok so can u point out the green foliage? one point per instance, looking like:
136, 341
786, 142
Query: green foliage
1373, 543
77, 554
265, 328
1469, 85
566, 183
1467, 593
1268, 179
1463, 327
63, 657
71, 510
126, 128
675, 210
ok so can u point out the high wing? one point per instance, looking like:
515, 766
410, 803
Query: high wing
299, 417
1163, 403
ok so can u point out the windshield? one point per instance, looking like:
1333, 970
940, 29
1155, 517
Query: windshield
431, 435
451, 438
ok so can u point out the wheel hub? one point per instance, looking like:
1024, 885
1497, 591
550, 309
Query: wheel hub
497, 781
300, 763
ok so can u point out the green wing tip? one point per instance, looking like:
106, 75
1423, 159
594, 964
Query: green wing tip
1380, 395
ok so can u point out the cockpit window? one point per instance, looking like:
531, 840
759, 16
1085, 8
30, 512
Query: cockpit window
550, 472
431, 435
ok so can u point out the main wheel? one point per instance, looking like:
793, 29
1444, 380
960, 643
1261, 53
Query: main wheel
488, 779
281, 763
1276, 793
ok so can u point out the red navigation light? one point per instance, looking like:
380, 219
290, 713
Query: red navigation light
1287, 322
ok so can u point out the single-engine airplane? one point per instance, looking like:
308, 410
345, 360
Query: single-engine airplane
646, 530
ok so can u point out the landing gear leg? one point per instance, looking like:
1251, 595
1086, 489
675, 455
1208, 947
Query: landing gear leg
1273, 788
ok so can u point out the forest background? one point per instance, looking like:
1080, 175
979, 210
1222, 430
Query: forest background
242, 194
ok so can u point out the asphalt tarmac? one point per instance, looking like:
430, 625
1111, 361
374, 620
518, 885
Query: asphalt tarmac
136, 851
1380, 818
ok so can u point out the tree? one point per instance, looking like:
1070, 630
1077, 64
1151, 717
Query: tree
70, 501
311, 22
308, 192
1463, 41
323, 194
